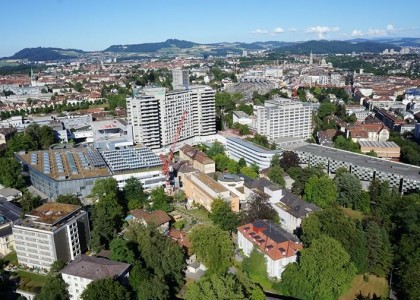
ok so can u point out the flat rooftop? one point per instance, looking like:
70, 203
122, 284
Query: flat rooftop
208, 181
378, 164
378, 144
67, 164
52, 212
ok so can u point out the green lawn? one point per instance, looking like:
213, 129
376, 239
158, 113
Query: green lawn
255, 267
30, 281
353, 214
11, 258
199, 213
375, 285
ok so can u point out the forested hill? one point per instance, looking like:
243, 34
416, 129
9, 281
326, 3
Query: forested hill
334, 47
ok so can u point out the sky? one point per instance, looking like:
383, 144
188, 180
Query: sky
96, 24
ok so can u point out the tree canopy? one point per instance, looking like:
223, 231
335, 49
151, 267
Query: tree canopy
213, 247
68, 199
258, 209
321, 191
134, 194
288, 160
223, 216
160, 201
349, 190
105, 289
315, 278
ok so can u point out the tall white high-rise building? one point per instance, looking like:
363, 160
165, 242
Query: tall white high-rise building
155, 115
180, 79
283, 118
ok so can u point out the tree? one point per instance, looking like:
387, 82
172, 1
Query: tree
372, 153
276, 175
241, 163
29, 202
69, 199
224, 287
288, 160
107, 213
54, 288
10, 173
45, 136
378, 249
56, 267
346, 144
213, 247
179, 196
222, 162
349, 189
168, 266
314, 278
326, 109
134, 194
106, 288
335, 224
122, 250
160, 200
147, 285
258, 209
273, 146
223, 216
409, 282
248, 171
320, 191
215, 149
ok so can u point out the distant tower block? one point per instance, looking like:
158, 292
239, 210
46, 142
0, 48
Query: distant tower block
33, 80
180, 79
311, 59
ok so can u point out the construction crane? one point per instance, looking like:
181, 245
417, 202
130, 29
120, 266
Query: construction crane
167, 160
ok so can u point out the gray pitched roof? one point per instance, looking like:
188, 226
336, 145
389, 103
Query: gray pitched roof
296, 206
95, 268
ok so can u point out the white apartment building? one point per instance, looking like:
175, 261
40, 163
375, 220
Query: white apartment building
53, 231
180, 79
156, 114
85, 269
278, 246
283, 118
253, 154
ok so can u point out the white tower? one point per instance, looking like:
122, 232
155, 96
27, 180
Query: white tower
311, 59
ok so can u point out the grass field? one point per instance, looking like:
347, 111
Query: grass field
375, 285
31, 282
10, 258
353, 214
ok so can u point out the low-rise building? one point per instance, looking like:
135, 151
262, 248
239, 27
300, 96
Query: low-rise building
53, 231
157, 218
86, 269
10, 194
202, 189
198, 159
241, 118
9, 214
278, 246
6, 133
388, 150
368, 132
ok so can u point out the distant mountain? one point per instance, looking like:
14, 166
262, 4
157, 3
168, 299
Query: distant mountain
334, 47
150, 47
44, 54
401, 42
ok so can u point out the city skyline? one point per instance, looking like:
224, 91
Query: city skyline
94, 25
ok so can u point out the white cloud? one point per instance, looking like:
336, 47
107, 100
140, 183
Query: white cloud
278, 30
390, 27
260, 31
292, 29
356, 32
321, 30
376, 32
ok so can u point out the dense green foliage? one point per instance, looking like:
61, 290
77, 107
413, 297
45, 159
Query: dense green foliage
107, 213
11, 173
134, 194
225, 287
342, 143
213, 247
378, 250
301, 177
29, 202
69, 199
160, 201
349, 190
107, 288
315, 278
289, 159
335, 224
223, 216
321, 191
55, 288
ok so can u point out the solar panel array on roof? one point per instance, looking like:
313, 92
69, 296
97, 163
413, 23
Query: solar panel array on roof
95, 159
34, 158
83, 160
72, 163
59, 162
46, 157
130, 158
